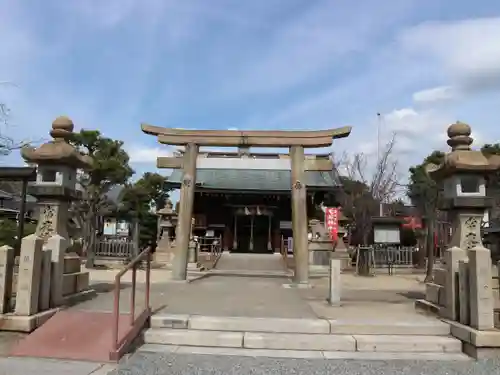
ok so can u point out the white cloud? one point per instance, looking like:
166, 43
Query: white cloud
144, 154
436, 94
467, 51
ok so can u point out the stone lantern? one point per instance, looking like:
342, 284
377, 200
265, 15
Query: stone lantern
463, 174
320, 247
60, 277
167, 220
55, 185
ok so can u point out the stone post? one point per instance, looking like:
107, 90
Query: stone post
299, 216
480, 290
335, 284
180, 261
7, 257
28, 279
452, 257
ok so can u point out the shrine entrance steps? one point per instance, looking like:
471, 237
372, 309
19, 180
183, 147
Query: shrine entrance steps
424, 339
263, 265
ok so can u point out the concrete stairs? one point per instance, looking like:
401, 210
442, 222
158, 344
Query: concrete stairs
303, 338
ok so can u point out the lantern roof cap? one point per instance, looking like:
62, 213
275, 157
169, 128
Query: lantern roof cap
461, 158
58, 151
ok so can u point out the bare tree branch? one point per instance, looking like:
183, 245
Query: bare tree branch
365, 185
7, 143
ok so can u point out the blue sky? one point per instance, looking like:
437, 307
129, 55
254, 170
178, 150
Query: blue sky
261, 64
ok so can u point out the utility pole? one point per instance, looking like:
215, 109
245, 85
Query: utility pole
379, 123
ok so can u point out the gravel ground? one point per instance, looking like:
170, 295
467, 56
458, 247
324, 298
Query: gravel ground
192, 364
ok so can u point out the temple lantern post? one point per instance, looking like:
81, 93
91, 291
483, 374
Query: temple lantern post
55, 185
463, 174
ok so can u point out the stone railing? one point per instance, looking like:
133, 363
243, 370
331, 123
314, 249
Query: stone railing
465, 293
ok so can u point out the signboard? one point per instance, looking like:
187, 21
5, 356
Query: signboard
332, 221
386, 235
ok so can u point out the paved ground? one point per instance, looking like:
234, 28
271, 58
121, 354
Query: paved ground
7, 340
251, 262
263, 296
27, 366
192, 364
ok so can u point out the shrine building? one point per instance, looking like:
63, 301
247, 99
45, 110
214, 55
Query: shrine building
245, 197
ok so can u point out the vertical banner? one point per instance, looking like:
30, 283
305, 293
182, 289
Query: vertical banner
332, 221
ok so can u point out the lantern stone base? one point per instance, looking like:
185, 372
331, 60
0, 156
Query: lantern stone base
319, 256
162, 258
25, 323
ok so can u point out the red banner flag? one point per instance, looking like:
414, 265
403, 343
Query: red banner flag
332, 222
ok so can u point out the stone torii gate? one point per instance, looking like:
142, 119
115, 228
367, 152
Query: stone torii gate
296, 141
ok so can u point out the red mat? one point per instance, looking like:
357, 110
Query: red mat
73, 335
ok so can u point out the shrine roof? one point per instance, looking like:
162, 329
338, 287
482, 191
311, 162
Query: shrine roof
254, 179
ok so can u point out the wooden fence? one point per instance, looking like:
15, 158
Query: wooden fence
115, 247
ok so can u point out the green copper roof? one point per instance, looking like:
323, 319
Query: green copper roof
254, 179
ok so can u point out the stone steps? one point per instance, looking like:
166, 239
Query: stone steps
304, 354
425, 326
310, 337
303, 341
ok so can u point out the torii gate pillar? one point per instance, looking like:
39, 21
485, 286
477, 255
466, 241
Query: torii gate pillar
183, 230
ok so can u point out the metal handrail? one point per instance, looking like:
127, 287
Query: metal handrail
118, 346
215, 251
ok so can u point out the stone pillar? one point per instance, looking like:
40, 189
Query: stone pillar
7, 257
299, 216
335, 286
28, 279
180, 261
451, 258
480, 291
